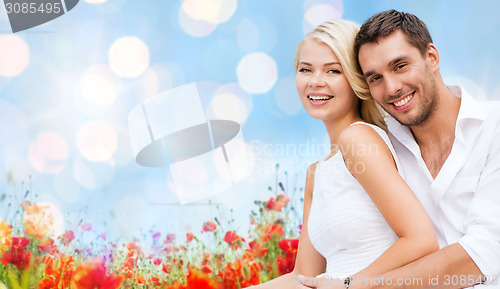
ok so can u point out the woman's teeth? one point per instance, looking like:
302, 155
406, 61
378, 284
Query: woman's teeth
319, 97
403, 101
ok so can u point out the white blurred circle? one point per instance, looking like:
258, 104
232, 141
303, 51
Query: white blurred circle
48, 153
95, 1
211, 11
14, 55
128, 56
194, 27
286, 96
229, 106
99, 86
318, 14
230, 102
257, 73
48, 219
97, 141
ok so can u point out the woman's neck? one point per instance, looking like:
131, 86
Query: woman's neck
335, 127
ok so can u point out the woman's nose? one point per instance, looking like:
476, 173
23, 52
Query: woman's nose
316, 80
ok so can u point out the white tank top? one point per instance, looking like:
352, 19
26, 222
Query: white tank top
345, 226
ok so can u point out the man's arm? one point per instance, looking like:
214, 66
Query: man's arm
475, 257
450, 267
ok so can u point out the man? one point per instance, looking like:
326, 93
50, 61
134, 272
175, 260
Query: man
449, 147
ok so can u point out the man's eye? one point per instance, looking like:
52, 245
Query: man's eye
373, 79
400, 66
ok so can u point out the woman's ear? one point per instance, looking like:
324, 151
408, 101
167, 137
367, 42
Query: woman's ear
432, 57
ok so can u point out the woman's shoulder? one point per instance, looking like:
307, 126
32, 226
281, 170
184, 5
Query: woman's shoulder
362, 133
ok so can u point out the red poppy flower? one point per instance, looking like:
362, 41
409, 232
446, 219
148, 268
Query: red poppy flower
18, 255
48, 246
272, 231
67, 237
92, 275
232, 239
189, 237
209, 226
157, 261
256, 249
196, 279
289, 245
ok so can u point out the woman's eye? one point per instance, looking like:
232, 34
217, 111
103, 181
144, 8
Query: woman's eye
336, 71
304, 70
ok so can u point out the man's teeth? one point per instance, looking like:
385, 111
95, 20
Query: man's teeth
403, 101
319, 97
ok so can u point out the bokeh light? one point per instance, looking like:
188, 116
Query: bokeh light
320, 13
48, 153
194, 27
14, 55
128, 56
97, 141
47, 220
257, 73
211, 11
286, 96
99, 88
230, 102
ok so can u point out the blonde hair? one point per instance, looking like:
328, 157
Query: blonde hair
339, 35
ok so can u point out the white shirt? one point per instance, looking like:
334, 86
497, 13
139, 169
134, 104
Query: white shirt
463, 201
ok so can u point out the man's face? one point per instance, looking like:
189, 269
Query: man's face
400, 79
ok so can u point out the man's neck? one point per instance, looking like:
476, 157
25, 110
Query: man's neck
435, 136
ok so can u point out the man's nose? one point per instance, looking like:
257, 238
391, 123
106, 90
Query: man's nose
393, 85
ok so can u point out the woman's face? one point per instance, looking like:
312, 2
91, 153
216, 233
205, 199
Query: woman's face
321, 84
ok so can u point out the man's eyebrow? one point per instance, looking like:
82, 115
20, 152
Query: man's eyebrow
368, 74
393, 62
396, 60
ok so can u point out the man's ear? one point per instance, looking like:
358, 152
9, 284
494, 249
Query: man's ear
432, 57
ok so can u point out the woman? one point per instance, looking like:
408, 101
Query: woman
360, 217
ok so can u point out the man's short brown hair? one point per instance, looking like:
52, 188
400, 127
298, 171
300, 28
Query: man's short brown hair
385, 23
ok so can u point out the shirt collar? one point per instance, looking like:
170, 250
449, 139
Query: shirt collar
469, 110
